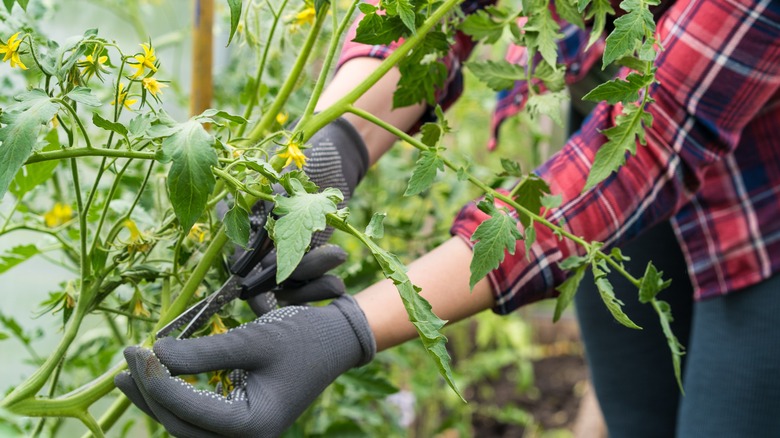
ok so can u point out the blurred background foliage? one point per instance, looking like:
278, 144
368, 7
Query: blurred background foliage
401, 393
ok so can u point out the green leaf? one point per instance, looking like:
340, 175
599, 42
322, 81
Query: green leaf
665, 316
511, 168
421, 72
368, 380
498, 75
621, 138
630, 30
376, 29
551, 201
554, 77
652, 283
9, 4
494, 237
607, 292
3, 336
236, 6
430, 134
542, 32
375, 228
619, 90
548, 104
19, 136
16, 255
83, 95
237, 225
567, 9
529, 193
598, 13
424, 172
108, 125
407, 13
480, 25
428, 325
33, 175
210, 113
567, 290
190, 180
301, 214
529, 238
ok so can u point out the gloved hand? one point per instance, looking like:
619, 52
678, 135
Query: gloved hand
337, 158
288, 357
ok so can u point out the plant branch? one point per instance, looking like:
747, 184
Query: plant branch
88, 152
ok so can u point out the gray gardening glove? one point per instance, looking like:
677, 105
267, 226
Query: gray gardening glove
286, 358
337, 158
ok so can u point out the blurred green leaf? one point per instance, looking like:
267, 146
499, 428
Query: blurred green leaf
494, 237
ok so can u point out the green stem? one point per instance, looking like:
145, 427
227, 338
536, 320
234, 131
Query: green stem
107, 205
69, 250
261, 67
268, 118
87, 152
124, 313
334, 45
110, 417
82, 215
10, 214
77, 119
338, 108
91, 424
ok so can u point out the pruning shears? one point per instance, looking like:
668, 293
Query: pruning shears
252, 273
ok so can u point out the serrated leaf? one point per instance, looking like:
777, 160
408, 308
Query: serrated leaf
554, 77
236, 6
375, 228
108, 125
528, 193
567, 290
548, 104
573, 262
263, 168
677, 349
430, 134
619, 90
301, 214
529, 238
378, 29
32, 175
630, 30
407, 13
209, 113
190, 180
422, 72
84, 96
20, 134
551, 201
480, 25
652, 283
621, 139
568, 10
598, 13
17, 255
424, 172
237, 225
420, 313
607, 292
511, 168
498, 75
494, 237
542, 32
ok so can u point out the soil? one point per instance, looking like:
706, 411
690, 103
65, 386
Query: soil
560, 378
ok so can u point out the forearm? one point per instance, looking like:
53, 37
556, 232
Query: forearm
443, 275
378, 101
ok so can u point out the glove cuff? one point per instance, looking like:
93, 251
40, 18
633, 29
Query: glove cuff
357, 320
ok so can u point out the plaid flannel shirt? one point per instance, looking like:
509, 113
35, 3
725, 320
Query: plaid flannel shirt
711, 164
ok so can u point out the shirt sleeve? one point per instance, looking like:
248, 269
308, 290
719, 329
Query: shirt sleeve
719, 68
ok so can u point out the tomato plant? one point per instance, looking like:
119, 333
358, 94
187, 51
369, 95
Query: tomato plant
126, 194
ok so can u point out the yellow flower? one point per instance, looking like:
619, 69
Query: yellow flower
153, 86
145, 61
58, 215
293, 153
217, 326
305, 16
93, 66
11, 50
135, 234
198, 233
123, 100
139, 309
281, 118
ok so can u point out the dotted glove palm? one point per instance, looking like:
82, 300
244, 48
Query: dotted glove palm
283, 361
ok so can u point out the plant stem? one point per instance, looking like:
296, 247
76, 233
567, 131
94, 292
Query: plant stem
268, 118
338, 108
124, 313
261, 67
110, 417
82, 215
77, 119
91, 424
334, 45
87, 152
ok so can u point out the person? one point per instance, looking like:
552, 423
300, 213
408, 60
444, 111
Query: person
709, 175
